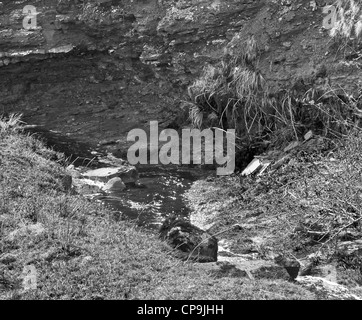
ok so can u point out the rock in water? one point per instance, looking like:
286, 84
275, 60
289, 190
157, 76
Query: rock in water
114, 185
126, 173
191, 242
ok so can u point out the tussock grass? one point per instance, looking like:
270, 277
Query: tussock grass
230, 91
348, 19
347, 30
80, 252
234, 94
11, 123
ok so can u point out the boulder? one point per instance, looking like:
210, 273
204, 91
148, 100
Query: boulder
292, 266
114, 185
191, 242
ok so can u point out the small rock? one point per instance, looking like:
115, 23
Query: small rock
308, 135
291, 265
191, 242
253, 166
114, 185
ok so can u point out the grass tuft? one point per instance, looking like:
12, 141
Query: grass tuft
234, 95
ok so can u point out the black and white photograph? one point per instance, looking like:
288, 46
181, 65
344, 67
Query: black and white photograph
181, 155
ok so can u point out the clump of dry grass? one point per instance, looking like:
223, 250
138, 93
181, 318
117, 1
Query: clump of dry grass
231, 92
234, 94
348, 19
11, 123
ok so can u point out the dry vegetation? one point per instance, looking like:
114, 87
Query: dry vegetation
310, 206
348, 19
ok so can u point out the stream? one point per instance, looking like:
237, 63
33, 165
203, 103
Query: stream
161, 187
160, 196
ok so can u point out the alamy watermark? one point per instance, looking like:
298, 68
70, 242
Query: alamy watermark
329, 21
29, 276
208, 143
30, 19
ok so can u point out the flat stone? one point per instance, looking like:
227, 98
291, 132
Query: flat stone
126, 173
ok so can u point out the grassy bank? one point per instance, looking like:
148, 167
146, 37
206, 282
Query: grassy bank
78, 249
310, 206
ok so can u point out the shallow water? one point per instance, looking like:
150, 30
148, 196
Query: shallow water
160, 196
162, 188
